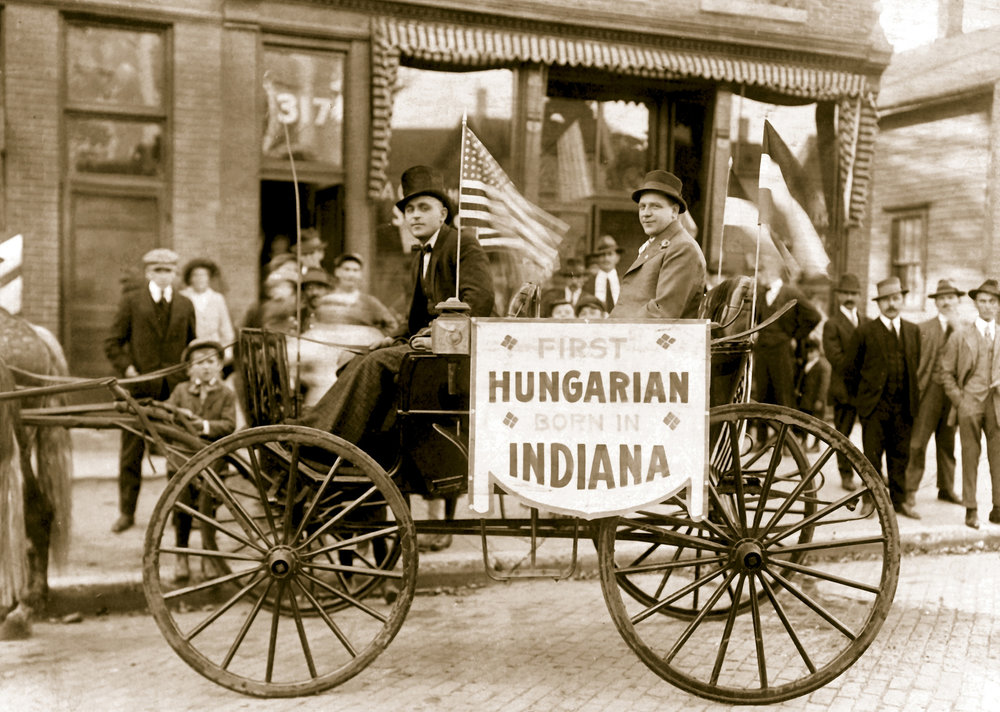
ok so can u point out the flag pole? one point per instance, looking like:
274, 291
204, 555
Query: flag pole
458, 211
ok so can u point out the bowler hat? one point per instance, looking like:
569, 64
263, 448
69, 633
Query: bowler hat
662, 182
198, 344
423, 180
944, 288
572, 267
889, 286
988, 287
848, 283
606, 245
160, 256
200, 263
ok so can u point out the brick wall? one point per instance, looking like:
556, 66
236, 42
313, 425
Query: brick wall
31, 89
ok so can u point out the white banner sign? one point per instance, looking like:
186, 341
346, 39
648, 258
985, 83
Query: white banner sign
11, 256
590, 419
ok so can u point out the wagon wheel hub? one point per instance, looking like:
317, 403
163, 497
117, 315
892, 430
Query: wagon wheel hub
282, 562
748, 556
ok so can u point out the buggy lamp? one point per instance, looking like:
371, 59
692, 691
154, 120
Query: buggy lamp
450, 331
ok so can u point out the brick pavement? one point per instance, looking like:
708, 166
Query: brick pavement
535, 646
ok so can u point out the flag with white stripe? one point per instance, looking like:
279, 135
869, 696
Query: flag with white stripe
11, 251
500, 215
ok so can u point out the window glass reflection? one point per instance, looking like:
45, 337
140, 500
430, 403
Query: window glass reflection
114, 146
113, 66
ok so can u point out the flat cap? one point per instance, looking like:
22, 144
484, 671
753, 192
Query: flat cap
160, 256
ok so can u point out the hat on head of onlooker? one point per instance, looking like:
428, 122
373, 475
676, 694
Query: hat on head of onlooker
280, 260
314, 275
199, 344
988, 287
588, 300
348, 257
848, 283
572, 267
284, 273
945, 288
311, 241
661, 182
160, 256
200, 263
423, 180
888, 287
606, 245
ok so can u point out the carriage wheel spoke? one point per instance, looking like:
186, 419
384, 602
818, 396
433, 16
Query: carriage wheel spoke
676, 595
783, 617
726, 634
758, 635
255, 471
208, 553
224, 607
339, 516
346, 597
211, 583
316, 498
696, 621
329, 621
816, 516
806, 480
772, 466
817, 573
741, 511
247, 522
674, 538
347, 568
818, 608
272, 641
723, 508
303, 640
674, 563
293, 467
352, 541
245, 628
214, 523
830, 544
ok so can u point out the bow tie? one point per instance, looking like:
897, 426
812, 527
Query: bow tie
198, 387
426, 248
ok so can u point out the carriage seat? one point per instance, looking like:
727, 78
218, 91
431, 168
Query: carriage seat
727, 306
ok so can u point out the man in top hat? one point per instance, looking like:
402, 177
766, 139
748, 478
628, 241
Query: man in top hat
150, 330
881, 375
970, 375
934, 409
604, 282
667, 277
838, 330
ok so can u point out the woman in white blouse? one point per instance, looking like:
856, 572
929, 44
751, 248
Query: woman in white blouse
212, 319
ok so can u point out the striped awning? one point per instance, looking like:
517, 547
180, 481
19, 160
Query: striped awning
461, 46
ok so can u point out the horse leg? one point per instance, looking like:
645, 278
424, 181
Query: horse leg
38, 516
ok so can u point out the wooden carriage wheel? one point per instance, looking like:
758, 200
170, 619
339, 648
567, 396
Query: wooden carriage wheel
806, 606
306, 517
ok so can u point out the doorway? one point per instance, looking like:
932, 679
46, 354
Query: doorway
320, 206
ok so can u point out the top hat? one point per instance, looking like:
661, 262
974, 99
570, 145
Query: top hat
203, 344
848, 283
200, 263
423, 180
572, 267
605, 245
988, 287
944, 288
160, 256
662, 182
889, 286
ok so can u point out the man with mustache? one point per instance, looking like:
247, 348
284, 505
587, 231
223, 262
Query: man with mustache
837, 334
881, 374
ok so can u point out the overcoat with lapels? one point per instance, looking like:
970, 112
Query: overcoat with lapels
667, 279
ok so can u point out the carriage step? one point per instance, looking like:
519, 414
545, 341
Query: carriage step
532, 570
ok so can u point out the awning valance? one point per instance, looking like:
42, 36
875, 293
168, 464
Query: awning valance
461, 46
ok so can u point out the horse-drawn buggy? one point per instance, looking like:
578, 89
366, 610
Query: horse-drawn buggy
726, 565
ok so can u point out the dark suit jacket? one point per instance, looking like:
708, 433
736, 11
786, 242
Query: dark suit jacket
815, 384
476, 287
868, 369
793, 324
666, 281
136, 338
837, 334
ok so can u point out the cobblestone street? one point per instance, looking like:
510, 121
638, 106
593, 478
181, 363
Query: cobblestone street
533, 646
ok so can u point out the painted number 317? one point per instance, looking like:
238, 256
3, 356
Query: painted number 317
293, 109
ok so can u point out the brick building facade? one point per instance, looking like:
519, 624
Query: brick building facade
127, 126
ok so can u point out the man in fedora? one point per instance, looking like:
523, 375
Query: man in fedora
667, 277
357, 405
604, 282
152, 327
934, 409
970, 375
881, 375
838, 330
572, 275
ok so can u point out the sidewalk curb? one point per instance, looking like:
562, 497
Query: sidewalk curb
125, 593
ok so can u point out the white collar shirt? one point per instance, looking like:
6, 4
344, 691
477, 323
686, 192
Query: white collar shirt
156, 293
986, 329
890, 324
851, 314
772, 291
426, 256
604, 281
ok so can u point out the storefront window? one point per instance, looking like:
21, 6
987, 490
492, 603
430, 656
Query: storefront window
122, 147
113, 66
305, 94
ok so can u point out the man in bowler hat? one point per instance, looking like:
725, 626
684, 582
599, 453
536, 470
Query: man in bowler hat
667, 278
881, 375
970, 375
152, 327
934, 409
838, 330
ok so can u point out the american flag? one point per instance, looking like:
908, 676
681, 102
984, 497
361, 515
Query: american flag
489, 202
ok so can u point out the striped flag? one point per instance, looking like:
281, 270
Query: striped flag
786, 219
11, 250
500, 215
744, 242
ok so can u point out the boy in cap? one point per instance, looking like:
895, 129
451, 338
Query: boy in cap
210, 409
667, 278
970, 375
881, 374
150, 330
935, 408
